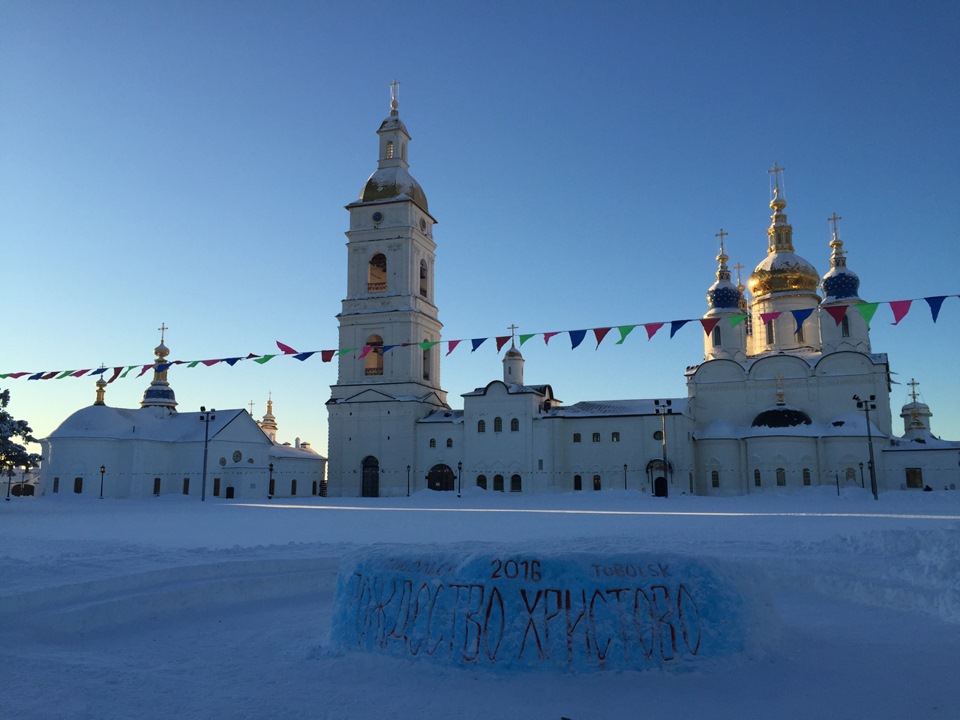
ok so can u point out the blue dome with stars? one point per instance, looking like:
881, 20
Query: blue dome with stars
723, 295
840, 284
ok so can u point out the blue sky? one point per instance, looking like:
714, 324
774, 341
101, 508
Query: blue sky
188, 163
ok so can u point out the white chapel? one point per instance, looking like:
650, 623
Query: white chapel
789, 393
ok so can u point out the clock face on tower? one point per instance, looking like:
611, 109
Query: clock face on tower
377, 217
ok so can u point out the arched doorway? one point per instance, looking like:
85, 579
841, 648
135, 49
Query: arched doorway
660, 486
441, 477
658, 472
370, 485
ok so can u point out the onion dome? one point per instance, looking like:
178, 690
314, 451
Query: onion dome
159, 394
782, 270
723, 295
392, 180
781, 416
839, 283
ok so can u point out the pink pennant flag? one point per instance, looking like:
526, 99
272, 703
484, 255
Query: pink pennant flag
501, 341
767, 317
144, 369
327, 355
451, 345
709, 324
286, 349
548, 335
600, 334
366, 351
210, 363
116, 374
50, 375
17, 374
651, 329
837, 312
79, 373
900, 309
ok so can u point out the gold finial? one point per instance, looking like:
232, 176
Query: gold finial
270, 403
101, 390
779, 389
913, 388
394, 97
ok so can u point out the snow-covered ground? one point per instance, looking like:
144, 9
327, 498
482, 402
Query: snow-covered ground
169, 608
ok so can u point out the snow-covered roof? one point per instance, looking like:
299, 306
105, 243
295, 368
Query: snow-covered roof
598, 408
927, 443
845, 425
443, 416
512, 389
149, 423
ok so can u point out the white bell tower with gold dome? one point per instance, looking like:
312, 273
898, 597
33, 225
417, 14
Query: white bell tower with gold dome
727, 340
388, 364
781, 284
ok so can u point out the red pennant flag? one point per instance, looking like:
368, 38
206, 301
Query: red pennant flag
286, 349
600, 334
327, 355
116, 374
210, 363
144, 369
18, 374
501, 341
50, 375
547, 336
651, 329
837, 312
80, 373
451, 345
709, 324
900, 309
767, 317
251, 356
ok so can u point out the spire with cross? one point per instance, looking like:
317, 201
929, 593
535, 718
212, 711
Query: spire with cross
163, 330
913, 388
833, 220
777, 172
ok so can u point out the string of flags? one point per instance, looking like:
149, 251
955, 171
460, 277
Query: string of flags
899, 308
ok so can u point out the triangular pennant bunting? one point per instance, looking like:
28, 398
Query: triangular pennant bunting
286, 349
600, 334
624, 331
867, 311
837, 312
501, 341
426, 345
327, 355
736, 320
709, 324
652, 328
264, 359
299, 356
576, 337
676, 325
476, 342
451, 345
935, 302
548, 335
767, 317
799, 316
524, 338
900, 309
366, 351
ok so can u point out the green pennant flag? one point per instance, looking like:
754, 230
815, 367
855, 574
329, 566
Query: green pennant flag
265, 358
736, 320
867, 310
131, 367
193, 364
426, 345
64, 374
4, 376
624, 331
524, 338
344, 351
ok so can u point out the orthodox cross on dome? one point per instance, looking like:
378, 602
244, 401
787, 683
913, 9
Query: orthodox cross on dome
513, 331
738, 267
163, 329
722, 234
913, 388
833, 220
777, 172
251, 408
394, 96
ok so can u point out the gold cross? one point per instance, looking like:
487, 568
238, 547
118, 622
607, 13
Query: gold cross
777, 172
251, 408
513, 330
833, 221
913, 388
738, 267
722, 234
163, 328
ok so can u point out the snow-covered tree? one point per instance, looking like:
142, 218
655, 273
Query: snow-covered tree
12, 434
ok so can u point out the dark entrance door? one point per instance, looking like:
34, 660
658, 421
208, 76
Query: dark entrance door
229, 493
660, 487
370, 485
441, 477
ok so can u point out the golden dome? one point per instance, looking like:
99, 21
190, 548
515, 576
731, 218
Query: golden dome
783, 272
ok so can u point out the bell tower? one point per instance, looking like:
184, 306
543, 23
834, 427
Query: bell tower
388, 363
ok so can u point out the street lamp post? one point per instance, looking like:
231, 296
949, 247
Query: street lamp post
459, 475
624, 476
862, 484
408, 481
270, 487
103, 469
867, 406
205, 418
663, 410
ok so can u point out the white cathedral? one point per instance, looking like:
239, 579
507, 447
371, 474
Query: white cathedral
789, 393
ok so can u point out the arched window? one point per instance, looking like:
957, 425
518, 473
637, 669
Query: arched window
850, 475
498, 424
449, 442
715, 478
577, 482
481, 426
806, 476
596, 437
426, 362
293, 488
389, 149
596, 482
800, 338
756, 478
423, 278
514, 425
377, 274
769, 327
373, 362
781, 477
515, 483
433, 442
482, 481
498, 483
370, 477
716, 335
845, 327
614, 437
